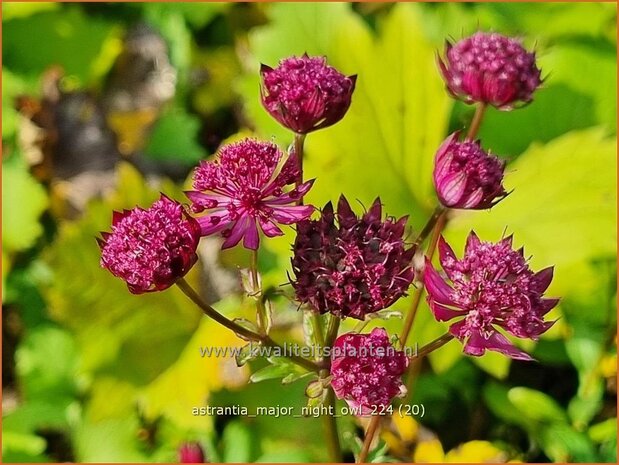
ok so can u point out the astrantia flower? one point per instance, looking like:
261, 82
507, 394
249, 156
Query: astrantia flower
352, 268
491, 287
150, 249
243, 188
492, 69
465, 176
367, 370
305, 94
191, 452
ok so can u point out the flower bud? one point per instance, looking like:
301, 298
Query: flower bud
467, 177
191, 452
491, 69
305, 94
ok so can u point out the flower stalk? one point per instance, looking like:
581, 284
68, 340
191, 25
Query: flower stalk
239, 330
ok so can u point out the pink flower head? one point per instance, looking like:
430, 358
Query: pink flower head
191, 452
465, 176
243, 188
492, 69
150, 249
305, 94
491, 287
359, 266
367, 370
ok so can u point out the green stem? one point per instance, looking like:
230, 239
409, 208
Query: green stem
241, 331
334, 326
480, 109
432, 346
261, 312
331, 434
299, 140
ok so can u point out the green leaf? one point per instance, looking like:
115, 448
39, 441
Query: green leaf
23, 10
499, 403
20, 447
272, 372
70, 38
536, 405
23, 202
174, 138
604, 431
111, 440
46, 361
239, 443
562, 444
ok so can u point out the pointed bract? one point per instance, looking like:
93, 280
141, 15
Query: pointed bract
491, 287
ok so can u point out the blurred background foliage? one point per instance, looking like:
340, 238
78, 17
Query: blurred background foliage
105, 105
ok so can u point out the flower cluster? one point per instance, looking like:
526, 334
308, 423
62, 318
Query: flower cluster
352, 268
150, 249
242, 189
491, 287
305, 94
465, 176
492, 69
367, 370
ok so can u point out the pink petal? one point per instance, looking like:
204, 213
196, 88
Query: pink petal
452, 187
437, 288
547, 305
472, 242
499, 343
237, 232
442, 313
544, 278
476, 345
474, 198
292, 214
269, 228
445, 251
213, 223
251, 239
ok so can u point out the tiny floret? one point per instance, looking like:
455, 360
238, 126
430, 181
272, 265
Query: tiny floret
243, 188
467, 177
150, 249
367, 371
491, 287
352, 266
491, 69
305, 94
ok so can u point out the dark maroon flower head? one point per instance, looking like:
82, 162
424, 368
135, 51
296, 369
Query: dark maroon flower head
352, 266
492, 69
367, 370
150, 249
465, 176
244, 187
491, 287
191, 452
305, 94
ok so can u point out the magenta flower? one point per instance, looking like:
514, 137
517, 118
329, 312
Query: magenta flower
191, 452
305, 94
465, 176
359, 266
150, 249
491, 287
367, 370
243, 188
492, 69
